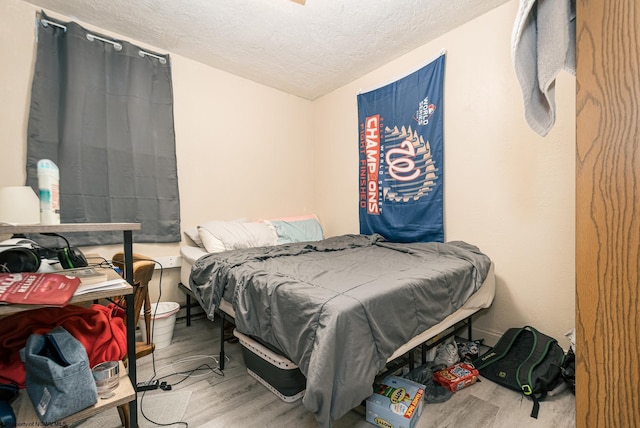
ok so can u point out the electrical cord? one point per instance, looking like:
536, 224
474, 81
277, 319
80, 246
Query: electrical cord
153, 356
164, 385
167, 387
189, 373
186, 424
155, 311
186, 374
215, 370
153, 359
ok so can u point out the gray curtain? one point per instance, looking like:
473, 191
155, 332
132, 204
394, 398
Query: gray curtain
104, 114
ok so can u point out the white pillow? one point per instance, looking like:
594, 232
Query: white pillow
219, 236
194, 236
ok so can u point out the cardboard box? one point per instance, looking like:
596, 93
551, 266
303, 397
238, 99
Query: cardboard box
456, 377
396, 403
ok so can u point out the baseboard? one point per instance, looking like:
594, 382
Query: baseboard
490, 337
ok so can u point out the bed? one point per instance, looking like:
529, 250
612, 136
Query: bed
341, 308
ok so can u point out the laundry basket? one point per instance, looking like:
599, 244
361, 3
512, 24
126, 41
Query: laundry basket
163, 320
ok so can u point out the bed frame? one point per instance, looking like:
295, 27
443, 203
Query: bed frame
393, 364
189, 304
321, 392
450, 326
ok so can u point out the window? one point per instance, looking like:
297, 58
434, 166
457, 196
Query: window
102, 111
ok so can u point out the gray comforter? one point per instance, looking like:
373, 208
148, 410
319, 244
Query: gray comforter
339, 308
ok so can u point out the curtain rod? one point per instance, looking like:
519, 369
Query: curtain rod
117, 46
158, 57
92, 37
46, 22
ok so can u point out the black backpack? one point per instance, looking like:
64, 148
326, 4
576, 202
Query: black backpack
524, 360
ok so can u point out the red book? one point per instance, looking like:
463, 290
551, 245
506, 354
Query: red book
27, 288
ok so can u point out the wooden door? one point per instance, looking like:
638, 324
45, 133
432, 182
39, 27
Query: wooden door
608, 213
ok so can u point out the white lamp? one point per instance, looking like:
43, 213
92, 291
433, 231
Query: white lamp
19, 205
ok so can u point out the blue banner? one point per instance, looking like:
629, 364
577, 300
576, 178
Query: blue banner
400, 169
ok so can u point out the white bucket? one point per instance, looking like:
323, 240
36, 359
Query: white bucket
162, 322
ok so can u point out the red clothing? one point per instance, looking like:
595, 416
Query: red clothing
100, 329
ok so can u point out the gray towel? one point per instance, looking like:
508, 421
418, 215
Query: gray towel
543, 43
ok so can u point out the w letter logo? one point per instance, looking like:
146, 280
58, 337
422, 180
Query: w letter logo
400, 162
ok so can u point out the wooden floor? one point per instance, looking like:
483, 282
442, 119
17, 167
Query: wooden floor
238, 400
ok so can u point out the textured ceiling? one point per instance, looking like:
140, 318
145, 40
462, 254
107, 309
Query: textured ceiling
305, 50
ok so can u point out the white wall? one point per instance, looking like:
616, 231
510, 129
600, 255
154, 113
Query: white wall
507, 190
245, 150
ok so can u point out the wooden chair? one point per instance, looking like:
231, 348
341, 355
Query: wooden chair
143, 269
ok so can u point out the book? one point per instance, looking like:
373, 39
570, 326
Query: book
112, 284
27, 288
87, 275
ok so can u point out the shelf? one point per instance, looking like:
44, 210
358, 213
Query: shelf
127, 392
124, 393
86, 297
68, 227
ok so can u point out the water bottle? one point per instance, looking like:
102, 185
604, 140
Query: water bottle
48, 184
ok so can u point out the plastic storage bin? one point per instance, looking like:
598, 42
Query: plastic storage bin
276, 372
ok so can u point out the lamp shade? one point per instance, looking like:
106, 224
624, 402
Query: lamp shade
19, 205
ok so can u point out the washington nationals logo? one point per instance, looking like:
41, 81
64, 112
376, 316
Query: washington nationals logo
400, 162
409, 171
